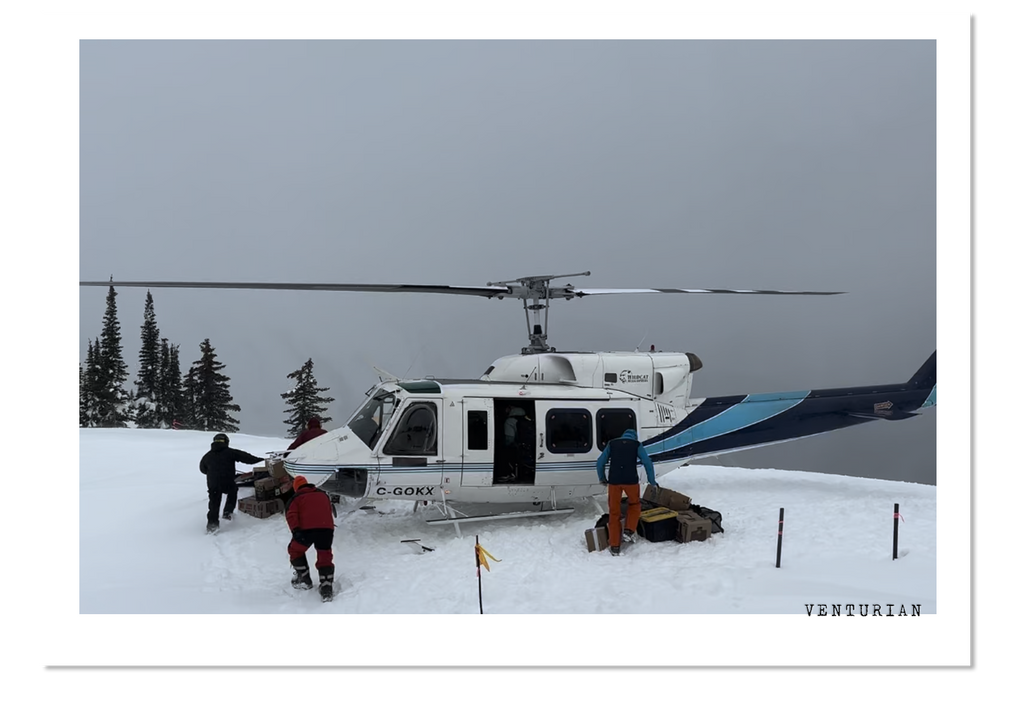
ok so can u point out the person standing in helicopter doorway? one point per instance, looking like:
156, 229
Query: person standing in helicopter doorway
519, 446
219, 467
310, 516
512, 416
621, 455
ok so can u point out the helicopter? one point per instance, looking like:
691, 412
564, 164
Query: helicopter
446, 443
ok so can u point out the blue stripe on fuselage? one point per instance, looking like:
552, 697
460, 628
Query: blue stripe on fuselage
754, 409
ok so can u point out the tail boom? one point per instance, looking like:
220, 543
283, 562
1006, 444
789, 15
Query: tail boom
728, 424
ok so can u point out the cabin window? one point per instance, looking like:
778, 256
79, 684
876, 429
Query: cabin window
476, 430
659, 384
569, 431
610, 378
611, 423
416, 432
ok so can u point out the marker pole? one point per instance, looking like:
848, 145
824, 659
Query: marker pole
895, 528
479, 582
778, 551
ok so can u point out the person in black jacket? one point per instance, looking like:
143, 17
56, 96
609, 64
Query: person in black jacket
219, 467
621, 456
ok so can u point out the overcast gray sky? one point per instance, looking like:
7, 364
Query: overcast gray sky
742, 164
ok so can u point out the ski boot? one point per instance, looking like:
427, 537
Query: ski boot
211, 527
326, 583
302, 580
227, 516
628, 536
615, 550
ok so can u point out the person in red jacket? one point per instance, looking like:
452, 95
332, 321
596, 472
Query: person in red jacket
311, 431
310, 517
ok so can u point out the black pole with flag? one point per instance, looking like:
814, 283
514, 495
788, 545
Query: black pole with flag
778, 550
479, 580
895, 528
481, 560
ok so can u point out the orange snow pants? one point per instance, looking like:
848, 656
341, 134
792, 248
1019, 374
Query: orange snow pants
615, 511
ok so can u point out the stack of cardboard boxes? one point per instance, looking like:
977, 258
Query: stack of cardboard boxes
271, 492
690, 526
669, 519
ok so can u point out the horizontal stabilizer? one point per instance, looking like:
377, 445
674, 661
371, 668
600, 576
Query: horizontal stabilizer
889, 415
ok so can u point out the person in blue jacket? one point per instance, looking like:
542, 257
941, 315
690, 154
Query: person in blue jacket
622, 455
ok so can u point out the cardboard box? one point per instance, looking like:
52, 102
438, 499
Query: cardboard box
266, 488
597, 538
276, 468
664, 497
692, 527
260, 508
284, 488
658, 524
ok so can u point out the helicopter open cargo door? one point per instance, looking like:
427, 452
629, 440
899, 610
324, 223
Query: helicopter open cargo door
475, 441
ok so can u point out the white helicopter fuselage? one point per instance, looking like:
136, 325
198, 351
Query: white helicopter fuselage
445, 440
462, 440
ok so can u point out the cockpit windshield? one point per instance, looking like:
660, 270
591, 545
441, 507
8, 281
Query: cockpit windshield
369, 421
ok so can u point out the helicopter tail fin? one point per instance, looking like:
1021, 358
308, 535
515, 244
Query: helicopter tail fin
924, 377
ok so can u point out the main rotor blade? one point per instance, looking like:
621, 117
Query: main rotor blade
490, 291
485, 291
589, 292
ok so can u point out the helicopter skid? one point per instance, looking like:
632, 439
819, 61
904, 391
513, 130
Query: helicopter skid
488, 517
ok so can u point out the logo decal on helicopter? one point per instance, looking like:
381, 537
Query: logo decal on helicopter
627, 376
883, 407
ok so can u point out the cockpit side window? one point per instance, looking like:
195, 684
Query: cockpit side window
368, 423
416, 431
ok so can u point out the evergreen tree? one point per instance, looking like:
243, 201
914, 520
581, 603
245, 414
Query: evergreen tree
91, 384
147, 383
84, 389
212, 397
172, 397
130, 408
112, 398
189, 391
83, 398
304, 400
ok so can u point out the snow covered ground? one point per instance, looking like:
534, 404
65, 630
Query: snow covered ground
155, 589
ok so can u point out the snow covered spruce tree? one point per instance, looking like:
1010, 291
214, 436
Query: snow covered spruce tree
147, 383
170, 408
112, 400
189, 386
210, 393
304, 400
90, 385
83, 398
